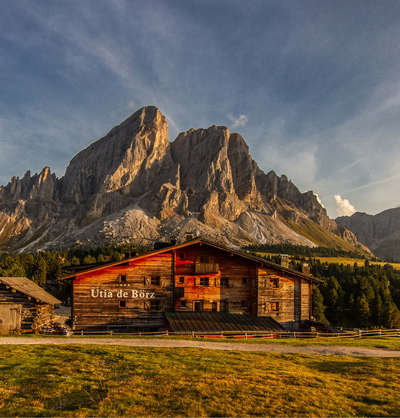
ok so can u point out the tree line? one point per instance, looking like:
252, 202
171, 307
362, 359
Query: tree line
43, 266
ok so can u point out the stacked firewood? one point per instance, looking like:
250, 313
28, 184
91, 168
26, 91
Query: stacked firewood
44, 316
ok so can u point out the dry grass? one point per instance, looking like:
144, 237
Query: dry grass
81, 381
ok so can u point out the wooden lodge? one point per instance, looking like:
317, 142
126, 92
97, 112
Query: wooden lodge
178, 286
24, 306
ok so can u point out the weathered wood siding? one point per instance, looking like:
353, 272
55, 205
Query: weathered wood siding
10, 318
34, 313
98, 296
233, 288
282, 296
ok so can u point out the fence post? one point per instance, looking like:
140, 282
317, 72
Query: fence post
167, 332
245, 334
81, 332
294, 334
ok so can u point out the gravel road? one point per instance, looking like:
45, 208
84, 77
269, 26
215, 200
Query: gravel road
207, 345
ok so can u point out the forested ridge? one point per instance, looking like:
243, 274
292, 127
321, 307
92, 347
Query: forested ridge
362, 295
42, 266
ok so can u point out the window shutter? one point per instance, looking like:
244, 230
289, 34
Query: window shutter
146, 306
211, 281
280, 306
280, 283
217, 282
162, 282
230, 282
147, 281
197, 281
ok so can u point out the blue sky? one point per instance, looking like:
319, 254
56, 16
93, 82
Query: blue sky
312, 86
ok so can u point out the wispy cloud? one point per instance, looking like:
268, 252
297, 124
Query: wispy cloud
240, 121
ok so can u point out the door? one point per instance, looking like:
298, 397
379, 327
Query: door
10, 318
197, 305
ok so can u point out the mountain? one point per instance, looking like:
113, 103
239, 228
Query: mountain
380, 233
134, 186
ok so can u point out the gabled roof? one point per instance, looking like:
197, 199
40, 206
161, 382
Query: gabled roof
193, 242
29, 288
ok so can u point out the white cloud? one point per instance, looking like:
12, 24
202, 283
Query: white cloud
319, 200
240, 121
131, 105
343, 206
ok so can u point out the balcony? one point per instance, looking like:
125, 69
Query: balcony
206, 268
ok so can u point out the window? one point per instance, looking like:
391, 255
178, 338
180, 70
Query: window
122, 303
155, 305
224, 282
179, 292
274, 283
181, 280
274, 306
245, 281
204, 281
183, 304
181, 256
155, 280
204, 258
243, 304
122, 279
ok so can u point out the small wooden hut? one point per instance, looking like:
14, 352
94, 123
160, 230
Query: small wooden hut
24, 306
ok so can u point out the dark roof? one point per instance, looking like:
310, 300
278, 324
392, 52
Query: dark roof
198, 241
220, 321
29, 288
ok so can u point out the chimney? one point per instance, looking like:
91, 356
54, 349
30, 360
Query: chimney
173, 240
305, 268
189, 236
284, 260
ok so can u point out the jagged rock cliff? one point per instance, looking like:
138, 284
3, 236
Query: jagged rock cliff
380, 233
133, 185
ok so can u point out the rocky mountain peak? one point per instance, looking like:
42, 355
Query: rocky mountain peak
133, 185
122, 163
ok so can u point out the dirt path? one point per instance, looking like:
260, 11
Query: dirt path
207, 345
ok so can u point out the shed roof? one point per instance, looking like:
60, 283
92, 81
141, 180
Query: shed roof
193, 242
220, 321
29, 288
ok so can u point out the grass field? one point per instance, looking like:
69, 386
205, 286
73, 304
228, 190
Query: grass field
340, 260
82, 381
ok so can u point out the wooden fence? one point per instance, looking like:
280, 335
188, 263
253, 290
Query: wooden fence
258, 334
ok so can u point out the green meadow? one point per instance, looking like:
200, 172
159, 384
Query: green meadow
86, 381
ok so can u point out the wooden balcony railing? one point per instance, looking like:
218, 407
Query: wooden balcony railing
206, 268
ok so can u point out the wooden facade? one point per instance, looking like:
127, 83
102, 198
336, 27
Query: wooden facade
24, 306
196, 276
